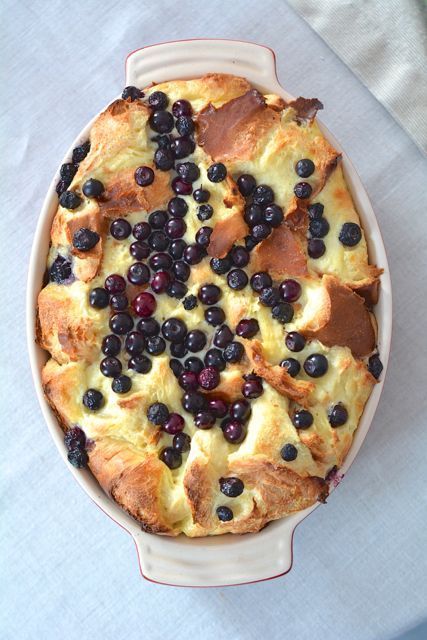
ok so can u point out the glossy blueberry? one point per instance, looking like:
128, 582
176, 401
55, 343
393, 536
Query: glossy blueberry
171, 457
273, 215
188, 171
161, 121
157, 219
260, 281
292, 366
68, 171
140, 364
240, 410
234, 431
224, 514
302, 419
304, 168
195, 340
214, 316
115, 283
250, 243
139, 250
213, 358
263, 195
182, 108
148, 326
176, 248
176, 366
144, 176
247, 328
119, 302
217, 172
204, 212
316, 248
201, 195
295, 341
188, 380
338, 415
120, 229
184, 125
80, 152
132, 93
223, 336
237, 279
316, 365
218, 407
190, 302
203, 236
209, 294
177, 290
174, 424
234, 352
315, 211
231, 487
302, 190
111, 345
178, 349
375, 366
182, 147
180, 187
246, 184
181, 270
181, 442
175, 228
174, 330
144, 304
253, 215
158, 240
350, 234
283, 312
177, 207
93, 399
269, 296
135, 343
93, 188
239, 256
70, 200
121, 323
252, 387
158, 413
160, 261
158, 100
121, 384
61, 186
290, 290
289, 452
193, 402
141, 230
99, 298
155, 345
164, 159
193, 254
138, 273
204, 420
261, 231
318, 228
194, 364
220, 265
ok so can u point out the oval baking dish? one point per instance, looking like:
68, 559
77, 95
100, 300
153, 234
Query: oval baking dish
227, 559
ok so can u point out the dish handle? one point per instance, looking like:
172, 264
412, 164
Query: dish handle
172, 60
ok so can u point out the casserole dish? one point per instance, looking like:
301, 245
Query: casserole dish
209, 561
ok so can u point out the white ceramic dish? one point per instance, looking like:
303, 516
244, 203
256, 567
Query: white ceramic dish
219, 560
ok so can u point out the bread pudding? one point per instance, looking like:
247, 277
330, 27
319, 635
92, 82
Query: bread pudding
208, 307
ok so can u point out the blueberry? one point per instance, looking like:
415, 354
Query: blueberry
132, 93
182, 108
304, 168
250, 242
316, 365
350, 234
302, 419
161, 281
315, 211
203, 236
181, 270
290, 290
155, 345
140, 364
93, 399
176, 366
231, 487
174, 424
204, 420
269, 296
261, 231
338, 415
75, 438
204, 212
263, 195
292, 366
171, 457
80, 152
121, 384
246, 184
141, 230
223, 336
188, 380
218, 407
283, 312
161, 121
295, 341
78, 458
178, 349
247, 328
61, 186
99, 298
201, 195
190, 302
375, 366
70, 200
318, 228
195, 340
93, 188
233, 431
193, 254
273, 215
289, 452
260, 281
240, 410
148, 326
135, 343
188, 171
157, 219
184, 125
174, 330
144, 176
302, 190
177, 290
110, 367
224, 514
177, 207
237, 279
163, 159
158, 100
239, 256
119, 302
176, 248
158, 413
193, 402
217, 172
234, 352
121, 323
213, 358
194, 364
209, 294
160, 262
253, 215
111, 345
220, 265
120, 229
182, 147
316, 248
252, 387
139, 250
138, 273
158, 240
115, 283
68, 171
181, 442
214, 316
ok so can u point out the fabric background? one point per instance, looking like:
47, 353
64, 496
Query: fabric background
69, 572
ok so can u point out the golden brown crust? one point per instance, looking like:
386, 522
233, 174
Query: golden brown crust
281, 254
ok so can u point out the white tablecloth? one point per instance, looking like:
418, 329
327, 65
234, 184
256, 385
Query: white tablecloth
68, 571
